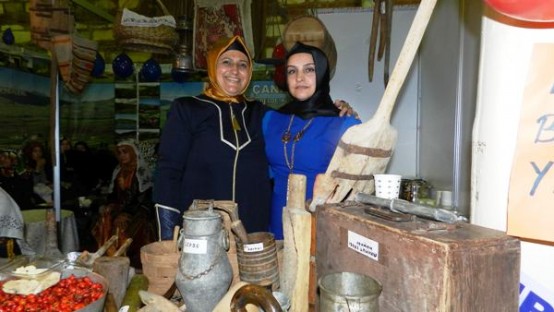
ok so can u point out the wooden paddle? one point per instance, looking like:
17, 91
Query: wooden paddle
366, 149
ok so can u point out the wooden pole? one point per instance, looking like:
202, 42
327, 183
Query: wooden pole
297, 237
54, 136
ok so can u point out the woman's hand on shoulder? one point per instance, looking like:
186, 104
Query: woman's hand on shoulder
346, 109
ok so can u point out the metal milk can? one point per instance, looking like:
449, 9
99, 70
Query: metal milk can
205, 273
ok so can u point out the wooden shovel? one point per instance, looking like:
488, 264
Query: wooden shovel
366, 149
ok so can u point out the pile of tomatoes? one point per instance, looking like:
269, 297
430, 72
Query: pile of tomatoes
69, 294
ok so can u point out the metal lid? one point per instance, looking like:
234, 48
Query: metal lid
201, 214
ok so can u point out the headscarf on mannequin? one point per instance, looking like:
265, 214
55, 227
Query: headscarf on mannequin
214, 90
142, 172
11, 219
320, 103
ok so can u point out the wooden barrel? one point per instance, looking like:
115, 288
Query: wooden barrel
310, 30
257, 260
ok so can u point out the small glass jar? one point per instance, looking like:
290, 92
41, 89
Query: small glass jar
414, 189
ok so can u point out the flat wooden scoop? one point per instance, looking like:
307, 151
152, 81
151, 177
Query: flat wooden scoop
366, 149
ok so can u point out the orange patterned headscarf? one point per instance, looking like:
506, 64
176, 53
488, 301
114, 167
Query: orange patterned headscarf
214, 90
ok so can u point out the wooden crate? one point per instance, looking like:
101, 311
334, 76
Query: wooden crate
422, 265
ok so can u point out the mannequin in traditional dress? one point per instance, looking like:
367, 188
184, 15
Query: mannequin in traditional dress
128, 212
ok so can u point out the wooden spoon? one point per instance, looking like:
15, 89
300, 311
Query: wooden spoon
175, 238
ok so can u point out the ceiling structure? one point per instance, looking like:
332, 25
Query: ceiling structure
94, 20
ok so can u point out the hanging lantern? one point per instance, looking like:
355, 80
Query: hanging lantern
182, 66
183, 60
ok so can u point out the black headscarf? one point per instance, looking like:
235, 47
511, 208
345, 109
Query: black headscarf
320, 103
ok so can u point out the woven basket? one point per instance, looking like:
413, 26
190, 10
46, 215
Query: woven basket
159, 264
160, 39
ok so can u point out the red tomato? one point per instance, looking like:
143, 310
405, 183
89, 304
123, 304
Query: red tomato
527, 10
69, 294
79, 306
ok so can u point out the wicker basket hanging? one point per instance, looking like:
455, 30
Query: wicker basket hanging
136, 32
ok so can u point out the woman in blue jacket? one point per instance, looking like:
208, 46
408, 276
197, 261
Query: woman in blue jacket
301, 137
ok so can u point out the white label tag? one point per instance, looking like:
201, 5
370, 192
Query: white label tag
253, 247
363, 245
195, 246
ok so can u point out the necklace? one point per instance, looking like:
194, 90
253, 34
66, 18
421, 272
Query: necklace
286, 139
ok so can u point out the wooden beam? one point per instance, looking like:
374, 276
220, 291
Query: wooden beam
93, 9
407, 2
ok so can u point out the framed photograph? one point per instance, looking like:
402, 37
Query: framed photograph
215, 19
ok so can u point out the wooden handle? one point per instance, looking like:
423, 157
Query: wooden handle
176, 238
373, 39
405, 59
296, 254
238, 228
296, 192
123, 248
105, 247
297, 226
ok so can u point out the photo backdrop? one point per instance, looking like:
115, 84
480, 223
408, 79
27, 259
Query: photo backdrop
101, 113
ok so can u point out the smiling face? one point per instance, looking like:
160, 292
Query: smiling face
301, 76
232, 72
